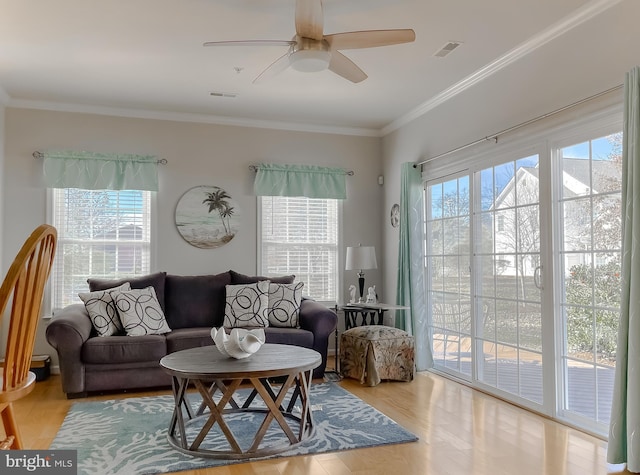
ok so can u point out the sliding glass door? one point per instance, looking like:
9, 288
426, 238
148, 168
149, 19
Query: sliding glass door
590, 263
448, 265
545, 340
507, 297
485, 298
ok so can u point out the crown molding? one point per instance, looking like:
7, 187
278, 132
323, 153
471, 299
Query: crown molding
190, 117
575, 19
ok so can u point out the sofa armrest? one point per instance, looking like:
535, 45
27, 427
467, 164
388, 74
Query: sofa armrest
67, 331
321, 321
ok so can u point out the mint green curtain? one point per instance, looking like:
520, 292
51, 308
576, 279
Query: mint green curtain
410, 290
300, 180
624, 429
97, 171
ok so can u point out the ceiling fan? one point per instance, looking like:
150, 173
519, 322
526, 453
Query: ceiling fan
310, 50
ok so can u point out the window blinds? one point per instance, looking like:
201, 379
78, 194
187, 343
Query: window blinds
103, 234
300, 236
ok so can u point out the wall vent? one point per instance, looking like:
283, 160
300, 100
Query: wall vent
446, 49
223, 94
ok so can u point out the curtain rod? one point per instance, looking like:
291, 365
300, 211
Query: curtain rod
254, 168
494, 137
37, 155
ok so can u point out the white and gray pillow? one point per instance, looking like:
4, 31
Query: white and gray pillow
140, 312
284, 304
102, 310
246, 305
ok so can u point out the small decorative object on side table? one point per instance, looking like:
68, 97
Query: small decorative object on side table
352, 293
372, 296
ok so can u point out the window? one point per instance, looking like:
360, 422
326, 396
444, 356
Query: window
300, 236
529, 311
101, 234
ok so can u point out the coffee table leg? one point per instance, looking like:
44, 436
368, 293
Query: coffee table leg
215, 386
304, 388
275, 411
179, 387
217, 411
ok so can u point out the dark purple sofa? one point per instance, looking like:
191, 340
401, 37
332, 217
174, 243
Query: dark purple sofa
192, 306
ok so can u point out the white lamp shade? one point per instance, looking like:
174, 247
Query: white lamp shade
361, 257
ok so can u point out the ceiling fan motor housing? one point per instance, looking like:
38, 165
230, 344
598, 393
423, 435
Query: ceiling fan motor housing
309, 55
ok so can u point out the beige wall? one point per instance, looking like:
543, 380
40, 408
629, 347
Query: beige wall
197, 154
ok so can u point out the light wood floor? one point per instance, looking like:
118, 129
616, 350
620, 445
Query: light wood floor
461, 431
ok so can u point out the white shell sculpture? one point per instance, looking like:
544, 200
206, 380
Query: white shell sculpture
240, 343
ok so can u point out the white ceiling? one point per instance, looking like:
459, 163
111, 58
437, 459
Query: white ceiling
146, 57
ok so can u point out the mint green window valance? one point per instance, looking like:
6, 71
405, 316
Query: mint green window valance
98, 171
300, 180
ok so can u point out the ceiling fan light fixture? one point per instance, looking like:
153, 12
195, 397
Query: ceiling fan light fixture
310, 61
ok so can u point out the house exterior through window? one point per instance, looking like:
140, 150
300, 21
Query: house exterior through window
101, 234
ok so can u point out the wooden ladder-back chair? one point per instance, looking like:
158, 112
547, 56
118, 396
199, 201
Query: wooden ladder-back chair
24, 287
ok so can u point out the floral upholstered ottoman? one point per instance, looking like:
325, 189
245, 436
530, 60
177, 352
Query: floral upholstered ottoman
372, 353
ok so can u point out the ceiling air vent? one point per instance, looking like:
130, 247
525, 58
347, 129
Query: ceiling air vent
446, 49
223, 94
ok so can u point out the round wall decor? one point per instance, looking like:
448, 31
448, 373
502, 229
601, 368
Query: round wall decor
207, 217
395, 215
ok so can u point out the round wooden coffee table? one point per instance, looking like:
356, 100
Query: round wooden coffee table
209, 371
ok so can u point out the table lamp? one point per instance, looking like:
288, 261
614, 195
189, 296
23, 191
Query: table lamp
360, 258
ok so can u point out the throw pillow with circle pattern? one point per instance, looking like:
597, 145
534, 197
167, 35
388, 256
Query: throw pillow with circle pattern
284, 304
140, 312
102, 310
246, 305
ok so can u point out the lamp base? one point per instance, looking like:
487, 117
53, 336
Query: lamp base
361, 286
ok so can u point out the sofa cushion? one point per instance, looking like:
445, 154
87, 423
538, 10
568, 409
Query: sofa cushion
237, 278
195, 301
139, 282
289, 336
284, 304
124, 349
102, 310
140, 312
246, 305
185, 338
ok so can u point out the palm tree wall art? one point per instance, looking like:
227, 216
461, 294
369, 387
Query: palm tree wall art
207, 217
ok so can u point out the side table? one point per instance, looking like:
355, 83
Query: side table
369, 314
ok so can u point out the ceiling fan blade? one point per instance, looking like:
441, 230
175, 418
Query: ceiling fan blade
274, 68
343, 66
251, 43
309, 20
369, 38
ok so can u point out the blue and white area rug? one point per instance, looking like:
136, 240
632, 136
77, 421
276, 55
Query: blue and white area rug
129, 436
